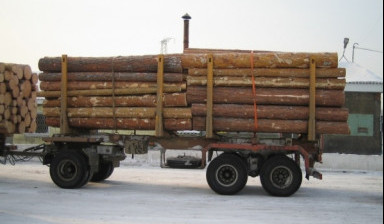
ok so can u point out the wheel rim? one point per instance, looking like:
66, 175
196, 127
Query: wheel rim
67, 170
227, 175
281, 177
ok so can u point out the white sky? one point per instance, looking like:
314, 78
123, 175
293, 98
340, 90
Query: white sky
32, 29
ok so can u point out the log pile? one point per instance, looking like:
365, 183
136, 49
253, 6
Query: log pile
120, 92
18, 89
281, 82
115, 93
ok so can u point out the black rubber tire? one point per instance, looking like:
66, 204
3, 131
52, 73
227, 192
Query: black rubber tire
227, 174
69, 170
105, 171
281, 176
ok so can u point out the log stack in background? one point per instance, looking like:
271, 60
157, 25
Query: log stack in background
281, 79
18, 89
132, 80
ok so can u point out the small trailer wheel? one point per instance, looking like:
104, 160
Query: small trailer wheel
227, 174
105, 171
281, 176
69, 169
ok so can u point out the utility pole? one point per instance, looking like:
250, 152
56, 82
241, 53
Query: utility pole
164, 45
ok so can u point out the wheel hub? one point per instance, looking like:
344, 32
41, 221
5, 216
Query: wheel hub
281, 177
227, 175
67, 170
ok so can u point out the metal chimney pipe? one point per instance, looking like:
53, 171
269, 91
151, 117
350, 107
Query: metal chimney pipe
186, 18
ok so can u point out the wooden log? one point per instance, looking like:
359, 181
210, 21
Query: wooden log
266, 96
1, 77
146, 63
21, 127
13, 82
26, 89
22, 111
27, 120
18, 70
7, 127
34, 78
261, 60
271, 126
271, 112
108, 76
7, 113
169, 100
55, 86
8, 75
27, 72
33, 115
212, 51
7, 99
263, 82
2, 67
31, 104
108, 92
122, 124
33, 127
267, 72
3, 88
120, 112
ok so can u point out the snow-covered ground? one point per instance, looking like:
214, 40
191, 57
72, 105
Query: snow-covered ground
139, 192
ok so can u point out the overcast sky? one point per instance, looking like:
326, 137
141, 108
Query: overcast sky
32, 29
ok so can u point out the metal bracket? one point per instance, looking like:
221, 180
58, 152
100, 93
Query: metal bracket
209, 118
64, 125
159, 128
312, 101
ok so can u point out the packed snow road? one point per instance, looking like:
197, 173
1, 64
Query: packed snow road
146, 194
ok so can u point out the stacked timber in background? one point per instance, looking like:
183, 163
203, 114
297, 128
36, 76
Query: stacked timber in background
120, 92
18, 88
115, 92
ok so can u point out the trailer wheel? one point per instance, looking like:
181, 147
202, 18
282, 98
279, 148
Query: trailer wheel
281, 176
69, 170
227, 174
105, 171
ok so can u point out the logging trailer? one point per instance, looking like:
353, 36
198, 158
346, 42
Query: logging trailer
76, 157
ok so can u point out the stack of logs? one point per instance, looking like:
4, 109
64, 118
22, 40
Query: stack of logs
115, 93
281, 87
18, 88
120, 92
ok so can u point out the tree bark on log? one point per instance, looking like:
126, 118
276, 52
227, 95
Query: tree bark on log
268, 72
260, 60
169, 100
263, 82
271, 126
122, 123
212, 51
271, 112
108, 92
56, 86
109, 76
119, 112
146, 63
266, 96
